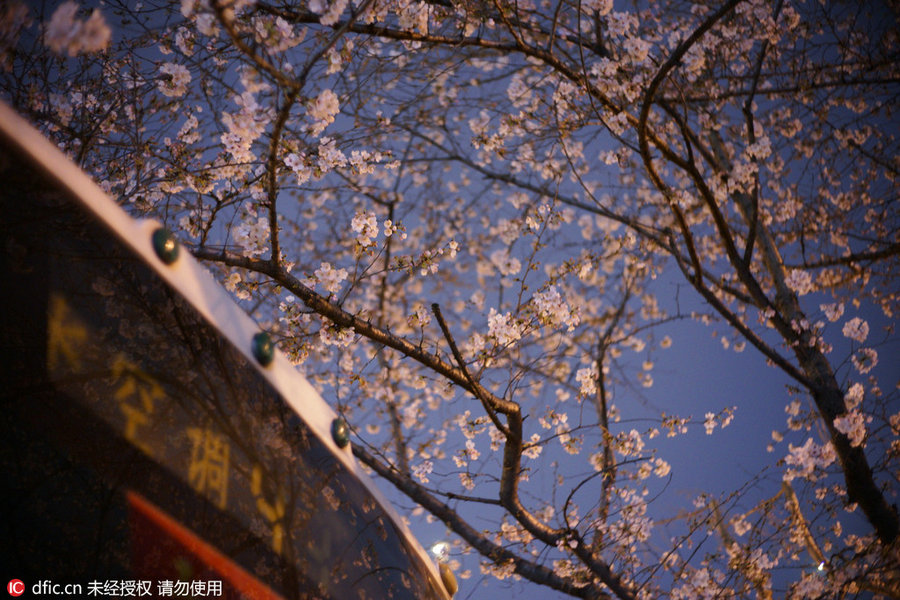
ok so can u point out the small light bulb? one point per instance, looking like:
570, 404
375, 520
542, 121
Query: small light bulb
440, 550
822, 566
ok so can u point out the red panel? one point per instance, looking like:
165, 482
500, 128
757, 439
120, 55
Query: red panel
165, 550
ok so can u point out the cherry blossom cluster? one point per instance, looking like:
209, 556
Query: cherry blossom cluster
66, 33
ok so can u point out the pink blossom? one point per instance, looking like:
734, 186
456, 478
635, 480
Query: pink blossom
174, 81
65, 33
833, 311
329, 12
365, 224
853, 425
505, 263
587, 377
330, 278
854, 396
865, 360
805, 459
323, 111
553, 310
422, 470
856, 329
503, 328
799, 281
252, 236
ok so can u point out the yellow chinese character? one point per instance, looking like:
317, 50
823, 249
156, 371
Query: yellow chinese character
136, 396
271, 512
208, 471
65, 336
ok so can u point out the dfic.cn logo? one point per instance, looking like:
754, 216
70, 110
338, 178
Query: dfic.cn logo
15, 587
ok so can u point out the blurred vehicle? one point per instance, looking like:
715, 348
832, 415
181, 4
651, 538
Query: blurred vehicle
153, 442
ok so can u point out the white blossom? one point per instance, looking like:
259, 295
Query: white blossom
740, 525
832, 311
297, 164
552, 309
473, 345
587, 377
853, 425
812, 585
800, 281
336, 336
661, 468
65, 33
365, 225
505, 263
422, 470
471, 452
854, 396
232, 284
503, 328
710, 423
864, 360
805, 459
323, 110
174, 81
501, 571
637, 49
188, 132
602, 7
856, 329
330, 278
330, 155
420, 318
252, 236
629, 444
184, 41
207, 24
329, 12
275, 33
533, 449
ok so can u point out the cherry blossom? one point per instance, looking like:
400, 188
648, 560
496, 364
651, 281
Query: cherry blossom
487, 232
65, 33
853, 425
807, 459
865, 360
330, 11
503, 328
330, 278
832, 311
365, 224
252, 235
799, 281
297, 164
856, 329
710, 423
323, 111
175, 79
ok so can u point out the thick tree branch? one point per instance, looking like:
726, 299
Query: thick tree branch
495, 552
868, 256
436, 309
512, 453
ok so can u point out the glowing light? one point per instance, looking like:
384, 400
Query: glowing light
440, 550
822, 566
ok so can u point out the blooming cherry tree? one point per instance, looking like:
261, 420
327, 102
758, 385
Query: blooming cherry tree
464, 222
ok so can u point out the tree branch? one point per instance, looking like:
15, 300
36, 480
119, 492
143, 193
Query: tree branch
496, 553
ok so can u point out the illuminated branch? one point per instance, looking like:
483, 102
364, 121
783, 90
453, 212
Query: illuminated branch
495, 552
